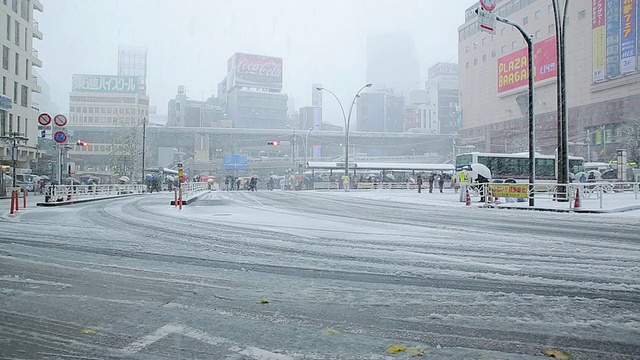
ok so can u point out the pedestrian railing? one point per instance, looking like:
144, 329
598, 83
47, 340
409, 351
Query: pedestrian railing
69, 193
326, 185
568, 193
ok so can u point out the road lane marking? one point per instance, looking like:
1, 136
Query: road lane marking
168, 329
151, 338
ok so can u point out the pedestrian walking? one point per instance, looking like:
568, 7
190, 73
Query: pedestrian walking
431, 179
419, 182
441, 182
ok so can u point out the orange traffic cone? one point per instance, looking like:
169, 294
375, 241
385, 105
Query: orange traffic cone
468, 198
577, 203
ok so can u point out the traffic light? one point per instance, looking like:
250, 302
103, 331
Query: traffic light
82, 143
274, 142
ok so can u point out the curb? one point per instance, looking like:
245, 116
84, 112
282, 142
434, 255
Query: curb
192, 199
62, 203
584, 211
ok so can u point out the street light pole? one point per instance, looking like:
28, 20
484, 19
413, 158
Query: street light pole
306, 147
532, 155
14, 138
347, 123
293, 150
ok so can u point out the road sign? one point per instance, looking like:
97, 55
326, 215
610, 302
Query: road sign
44, 119
60, 120
488, 5
486, 21
44, 127
235, 161
60, 137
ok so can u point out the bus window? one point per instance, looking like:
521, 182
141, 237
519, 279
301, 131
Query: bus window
465, 159
545, 169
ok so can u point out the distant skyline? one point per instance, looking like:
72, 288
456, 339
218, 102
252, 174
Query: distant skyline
190, 41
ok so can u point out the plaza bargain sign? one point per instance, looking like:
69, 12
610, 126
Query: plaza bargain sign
513, 69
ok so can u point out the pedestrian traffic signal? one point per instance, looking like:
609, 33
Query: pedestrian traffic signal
274, 143
82, 143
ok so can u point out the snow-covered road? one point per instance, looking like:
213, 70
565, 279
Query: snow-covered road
345, 275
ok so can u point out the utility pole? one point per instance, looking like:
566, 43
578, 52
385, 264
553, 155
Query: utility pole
563, 154
144, 136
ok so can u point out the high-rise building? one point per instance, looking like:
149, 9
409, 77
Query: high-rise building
602, 78
184, 112
392, 62
132, 61
310, 118
443, 95
252, 92
18, 115
380, 111
119, 106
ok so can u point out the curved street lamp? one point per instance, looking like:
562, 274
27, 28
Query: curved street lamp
347, 122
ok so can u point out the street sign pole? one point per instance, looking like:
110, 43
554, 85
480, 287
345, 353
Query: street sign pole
485, 18
59, 166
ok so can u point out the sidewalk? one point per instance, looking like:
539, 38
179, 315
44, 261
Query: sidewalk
611, 202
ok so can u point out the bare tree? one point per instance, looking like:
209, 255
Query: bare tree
631, 140
126, 149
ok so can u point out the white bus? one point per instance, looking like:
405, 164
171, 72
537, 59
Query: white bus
515, 166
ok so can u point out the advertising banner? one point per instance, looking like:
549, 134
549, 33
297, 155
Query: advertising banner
510, 191
513, 68
612, 12
104, 83
599, 34
256, 71
628, 37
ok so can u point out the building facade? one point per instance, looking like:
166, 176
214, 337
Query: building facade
602, 79
380, 111
183, 112
18, 117
436, 109
443, 93
118, 102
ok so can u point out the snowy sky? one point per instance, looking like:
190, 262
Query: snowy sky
190, 41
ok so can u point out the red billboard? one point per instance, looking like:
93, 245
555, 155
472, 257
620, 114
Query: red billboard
513, 69
255, 71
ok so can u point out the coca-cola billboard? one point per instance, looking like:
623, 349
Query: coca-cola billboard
256, 71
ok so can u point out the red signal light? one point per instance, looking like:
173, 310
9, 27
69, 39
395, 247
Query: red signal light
274, 143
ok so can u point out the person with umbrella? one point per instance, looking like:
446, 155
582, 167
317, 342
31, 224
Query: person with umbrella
482, 175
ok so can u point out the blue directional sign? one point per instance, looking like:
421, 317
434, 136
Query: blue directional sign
235, 161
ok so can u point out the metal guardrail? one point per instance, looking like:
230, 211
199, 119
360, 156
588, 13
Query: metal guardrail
68, 193
190, 189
